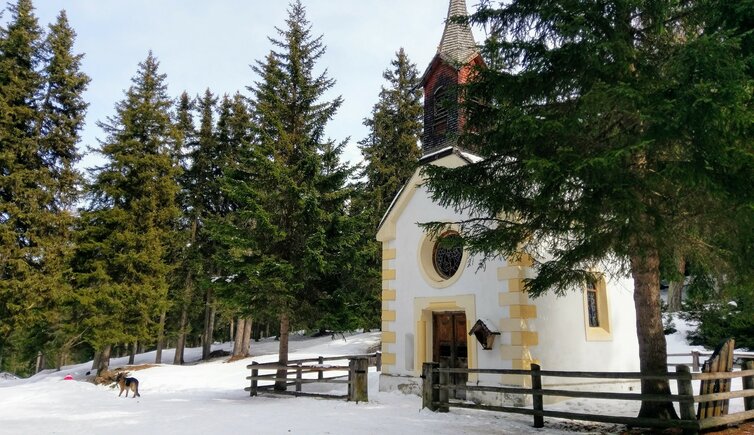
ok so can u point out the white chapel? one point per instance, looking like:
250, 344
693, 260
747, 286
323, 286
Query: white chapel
438, 306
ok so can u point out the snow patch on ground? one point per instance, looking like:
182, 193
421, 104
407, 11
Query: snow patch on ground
209, 397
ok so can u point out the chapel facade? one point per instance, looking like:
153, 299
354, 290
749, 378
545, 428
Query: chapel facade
438, 306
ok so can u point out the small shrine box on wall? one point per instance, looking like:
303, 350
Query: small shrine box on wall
484, 333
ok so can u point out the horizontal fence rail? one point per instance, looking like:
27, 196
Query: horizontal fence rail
696, 358
312, 371
437, 387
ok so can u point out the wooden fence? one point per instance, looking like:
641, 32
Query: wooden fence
313, 370
696, 358
437, 386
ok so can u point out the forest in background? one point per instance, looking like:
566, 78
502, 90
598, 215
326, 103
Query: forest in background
212, 217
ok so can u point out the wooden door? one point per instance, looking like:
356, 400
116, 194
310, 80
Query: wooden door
449, 346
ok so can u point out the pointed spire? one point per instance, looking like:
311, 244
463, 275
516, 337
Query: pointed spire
457, 44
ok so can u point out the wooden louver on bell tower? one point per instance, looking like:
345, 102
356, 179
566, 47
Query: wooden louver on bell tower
456, 57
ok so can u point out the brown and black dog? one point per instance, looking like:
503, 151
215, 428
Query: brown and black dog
126, 384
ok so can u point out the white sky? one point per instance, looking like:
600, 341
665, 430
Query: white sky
211, 44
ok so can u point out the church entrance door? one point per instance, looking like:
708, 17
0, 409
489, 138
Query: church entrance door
449, 346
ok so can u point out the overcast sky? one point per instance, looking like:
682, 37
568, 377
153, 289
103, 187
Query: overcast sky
210, 44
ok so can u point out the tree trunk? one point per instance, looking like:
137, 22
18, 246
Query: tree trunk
675, 289
96, 359
283, 353
246, 339
237, 347
160, 339
132, 354
180, 344
188, 295
103, 364
209, 324
645, 270
231, 329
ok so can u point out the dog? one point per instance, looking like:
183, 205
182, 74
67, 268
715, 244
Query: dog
126, 383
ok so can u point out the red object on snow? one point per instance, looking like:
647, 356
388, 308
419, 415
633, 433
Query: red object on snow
68, 377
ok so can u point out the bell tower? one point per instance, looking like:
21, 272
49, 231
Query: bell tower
456, 57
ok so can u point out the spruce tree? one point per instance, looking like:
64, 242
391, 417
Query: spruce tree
391, 150
22, 209
41, 114
127, 230
279, 224
184, 285
61, 118
616, 132
391, 155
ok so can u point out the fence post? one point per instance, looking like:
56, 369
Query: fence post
358, 385
443, 394
321, 362
298, 378
378, 361
685, 389
536, 398
430, 379
748, 384
254, 374
695, 360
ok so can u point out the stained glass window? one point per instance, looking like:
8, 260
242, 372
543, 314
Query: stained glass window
591, 301
446, 257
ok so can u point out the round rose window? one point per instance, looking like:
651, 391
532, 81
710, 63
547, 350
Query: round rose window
447, 255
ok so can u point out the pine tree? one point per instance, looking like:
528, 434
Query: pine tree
616, 131
121, 270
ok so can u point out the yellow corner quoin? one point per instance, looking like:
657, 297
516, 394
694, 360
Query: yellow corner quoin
508, 299
523, 311
388, 358
388, 254
510, 272
388, 294
515, 285
388, 337
514, 325
524, 338
388, 315
388, 274
525, 260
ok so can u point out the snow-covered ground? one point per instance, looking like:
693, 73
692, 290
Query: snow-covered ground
208, 397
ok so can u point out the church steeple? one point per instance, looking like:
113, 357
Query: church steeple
456, 57
457, 44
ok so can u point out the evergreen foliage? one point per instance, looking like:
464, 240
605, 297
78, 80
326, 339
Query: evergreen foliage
391, 151
391, 155
287, 188
128, 229
614, 133
41, 114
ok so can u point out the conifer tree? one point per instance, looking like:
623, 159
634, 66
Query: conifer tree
391, 151
41, 114
23, 197
278, 228
61, 118
184, 283
616, 132
391, 155
122, 272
